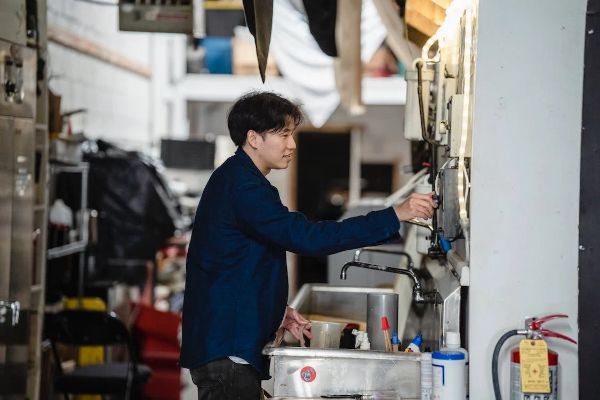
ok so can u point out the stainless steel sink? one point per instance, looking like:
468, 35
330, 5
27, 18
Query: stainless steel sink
311, 373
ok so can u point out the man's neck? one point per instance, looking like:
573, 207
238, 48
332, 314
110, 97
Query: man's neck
256, 160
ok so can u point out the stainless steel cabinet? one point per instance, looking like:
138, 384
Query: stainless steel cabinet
16, 207
6, 167
18, 313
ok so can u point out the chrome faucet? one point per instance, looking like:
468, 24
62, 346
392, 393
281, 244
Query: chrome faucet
360, 251
418, 295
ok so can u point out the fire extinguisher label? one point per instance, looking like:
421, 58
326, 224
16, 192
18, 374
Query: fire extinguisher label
534, 366
516, 393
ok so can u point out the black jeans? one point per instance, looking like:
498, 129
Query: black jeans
225, 380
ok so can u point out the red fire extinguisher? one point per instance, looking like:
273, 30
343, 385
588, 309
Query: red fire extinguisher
534, 331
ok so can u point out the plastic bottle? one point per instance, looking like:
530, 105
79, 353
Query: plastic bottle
448, 375
395, 342
453, 344
414, 346
426, 377
61, 214
61, 221
362, 340
365, 344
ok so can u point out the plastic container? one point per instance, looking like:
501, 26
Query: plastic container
395, 342
412, 116
61, 221
362, 340
426, 377
448, 375
364, 343
326, 335
453, 344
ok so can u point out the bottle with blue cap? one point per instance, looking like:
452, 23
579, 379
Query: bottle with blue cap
415, 345
395, 342
449, 375
453, 343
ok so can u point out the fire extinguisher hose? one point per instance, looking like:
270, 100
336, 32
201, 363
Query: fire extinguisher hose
499, 344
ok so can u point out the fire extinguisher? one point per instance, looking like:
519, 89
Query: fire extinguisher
533, 331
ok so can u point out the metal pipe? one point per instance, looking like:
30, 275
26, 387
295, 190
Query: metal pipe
417, 288
432, 143
358, 252
415, 221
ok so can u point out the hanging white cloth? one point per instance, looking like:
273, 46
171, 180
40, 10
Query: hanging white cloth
307, 70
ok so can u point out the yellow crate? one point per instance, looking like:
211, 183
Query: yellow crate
88, 355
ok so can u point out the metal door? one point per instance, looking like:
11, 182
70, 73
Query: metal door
15, 335
17, 153
6, 185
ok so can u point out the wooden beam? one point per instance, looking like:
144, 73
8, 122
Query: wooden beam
97, 51
425, 15
443, 3
420, 23
223, 5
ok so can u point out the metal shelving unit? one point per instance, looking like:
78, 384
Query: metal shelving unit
79, 246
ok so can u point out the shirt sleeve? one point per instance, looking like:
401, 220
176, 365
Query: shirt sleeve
261, 214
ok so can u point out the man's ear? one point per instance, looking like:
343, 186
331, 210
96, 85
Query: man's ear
252, 139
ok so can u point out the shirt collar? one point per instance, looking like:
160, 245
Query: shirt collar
247, 161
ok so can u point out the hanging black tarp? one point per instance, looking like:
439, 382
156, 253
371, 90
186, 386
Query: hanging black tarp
136, 211
321, 23
321, 17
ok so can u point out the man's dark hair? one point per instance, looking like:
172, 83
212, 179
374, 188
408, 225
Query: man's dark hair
261, 112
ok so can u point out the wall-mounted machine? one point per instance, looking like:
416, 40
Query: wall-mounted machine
439, 113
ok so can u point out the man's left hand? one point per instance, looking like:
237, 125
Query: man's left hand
295, 324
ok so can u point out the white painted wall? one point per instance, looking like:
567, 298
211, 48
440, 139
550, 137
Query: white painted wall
123, 107
525, 179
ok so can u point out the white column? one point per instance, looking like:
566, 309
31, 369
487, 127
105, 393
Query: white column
525, 180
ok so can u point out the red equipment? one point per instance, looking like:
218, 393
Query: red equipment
536, 332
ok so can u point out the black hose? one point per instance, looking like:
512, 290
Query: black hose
432, 143
421, 105
499, 344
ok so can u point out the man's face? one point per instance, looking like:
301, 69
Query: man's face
275, 148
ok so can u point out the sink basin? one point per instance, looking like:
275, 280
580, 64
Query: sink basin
334, 302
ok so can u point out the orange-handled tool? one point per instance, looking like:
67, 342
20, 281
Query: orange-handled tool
385, 326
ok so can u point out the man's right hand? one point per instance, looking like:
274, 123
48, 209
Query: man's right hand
418, 205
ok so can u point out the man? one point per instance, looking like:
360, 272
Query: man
236, 287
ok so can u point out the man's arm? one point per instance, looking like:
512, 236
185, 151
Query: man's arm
261, 213
418, 205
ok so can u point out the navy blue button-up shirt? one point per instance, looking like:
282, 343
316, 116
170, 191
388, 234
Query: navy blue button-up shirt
236, 283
